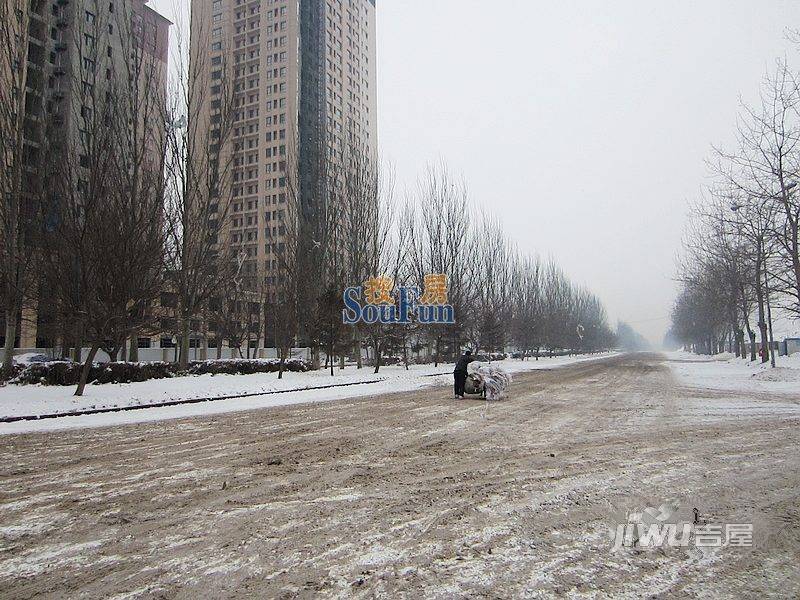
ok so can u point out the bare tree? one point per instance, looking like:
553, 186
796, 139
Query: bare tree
366, 214
106, 197
442, 244
527, 324
763, 168
201, 117
493, 281
558, 306
731, 244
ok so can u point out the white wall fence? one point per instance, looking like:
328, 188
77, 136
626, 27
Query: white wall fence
785, 347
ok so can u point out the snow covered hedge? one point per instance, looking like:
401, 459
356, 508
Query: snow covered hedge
69, 373
247, 367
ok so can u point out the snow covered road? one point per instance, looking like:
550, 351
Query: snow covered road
412, 495
240, 392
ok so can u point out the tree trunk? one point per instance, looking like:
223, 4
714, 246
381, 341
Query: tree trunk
133, 355
359, 362
282, 364
11, 336
762, 318
751, 335
184, 345
764, 334
315, 356
377, 355
85, 370
219, 348
740, 345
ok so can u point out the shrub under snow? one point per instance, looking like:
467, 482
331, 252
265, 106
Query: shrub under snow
69, 373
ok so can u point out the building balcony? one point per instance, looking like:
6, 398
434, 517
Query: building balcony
37, 31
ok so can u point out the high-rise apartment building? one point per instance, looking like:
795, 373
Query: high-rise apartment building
303, 78
68, 43
64, 50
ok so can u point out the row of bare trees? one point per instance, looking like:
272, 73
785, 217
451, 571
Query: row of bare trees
741, 264
501, 297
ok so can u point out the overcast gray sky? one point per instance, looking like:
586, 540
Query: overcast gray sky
583, 125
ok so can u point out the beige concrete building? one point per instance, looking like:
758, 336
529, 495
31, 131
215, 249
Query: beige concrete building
304, 78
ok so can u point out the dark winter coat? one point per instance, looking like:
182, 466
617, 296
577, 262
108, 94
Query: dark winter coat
461, 365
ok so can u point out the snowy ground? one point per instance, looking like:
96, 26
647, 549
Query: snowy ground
414, 495
40, 400
726, 372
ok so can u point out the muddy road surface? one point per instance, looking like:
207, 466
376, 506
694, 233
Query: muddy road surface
414, 495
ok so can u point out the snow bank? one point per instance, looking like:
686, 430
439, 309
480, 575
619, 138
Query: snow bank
727, 372
778, 374
40, 400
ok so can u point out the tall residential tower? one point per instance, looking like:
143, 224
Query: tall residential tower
303, 77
